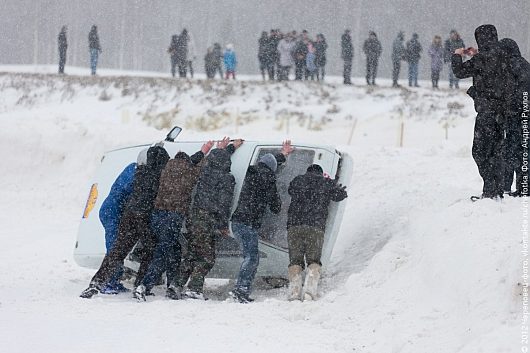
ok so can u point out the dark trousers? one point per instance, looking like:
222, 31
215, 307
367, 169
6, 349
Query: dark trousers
271, 71
62, 62
165, 226
347, 71
182, 69
371, 70
435, 77
305, 245
201, 251
173, 66
396, 67
190, 65
283, 73
219, 69
321, 72
299, 70
488, 144
133, 227
513, 152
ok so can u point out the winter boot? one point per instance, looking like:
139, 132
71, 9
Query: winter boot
312, 278
174, 292
295, 282
139, 293
194, 295
240, 296
89, 292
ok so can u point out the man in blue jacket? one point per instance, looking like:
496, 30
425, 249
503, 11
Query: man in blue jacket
111, 211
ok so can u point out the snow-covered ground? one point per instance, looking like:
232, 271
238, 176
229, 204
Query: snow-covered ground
417, 267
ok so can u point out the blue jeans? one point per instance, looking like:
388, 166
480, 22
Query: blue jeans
453, 80
166, 227
413, 74
248, 240
94, 53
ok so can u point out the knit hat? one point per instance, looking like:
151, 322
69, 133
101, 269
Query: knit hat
315, 168
270, 161
142, 157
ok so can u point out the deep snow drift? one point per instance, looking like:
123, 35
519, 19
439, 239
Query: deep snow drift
417, 267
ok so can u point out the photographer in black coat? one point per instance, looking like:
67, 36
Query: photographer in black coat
490, 89
311, 194
516, 117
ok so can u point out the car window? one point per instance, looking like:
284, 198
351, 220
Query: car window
274, 227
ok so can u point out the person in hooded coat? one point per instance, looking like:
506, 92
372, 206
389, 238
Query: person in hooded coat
63, 46
436, 52
258, 192
263, 53
346, 55
489, 70
320, 56
285, 50
182, 53
372, 48
230, 61
311, 194
111, 211
171, 207
218, 56
134, 223
209, 217
398, 54
413, 55
451, 44
517, 118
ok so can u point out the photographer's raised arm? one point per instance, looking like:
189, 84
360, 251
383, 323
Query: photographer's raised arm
460, 68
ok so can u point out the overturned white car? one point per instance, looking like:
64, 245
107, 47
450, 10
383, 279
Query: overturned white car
273, 252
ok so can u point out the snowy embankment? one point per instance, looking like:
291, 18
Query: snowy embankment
416, 268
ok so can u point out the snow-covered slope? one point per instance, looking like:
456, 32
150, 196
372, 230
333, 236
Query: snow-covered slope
417, 268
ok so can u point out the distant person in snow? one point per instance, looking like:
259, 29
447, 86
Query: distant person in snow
172, 51
453, 43
285, 50
210, 63
300, 53
209, 218
310, 66
436, 52
63, 46
182, 53
321, 46
218, 55
372, 49
134, 223
413, 55
111, 212
490, 92
191, 55
230, 61
264, 56
258, 193
398, 54
274, 57
171, 206
311, 194
94, 47
516, 117
346, 55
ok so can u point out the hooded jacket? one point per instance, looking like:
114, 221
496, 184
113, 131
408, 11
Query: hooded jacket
372, 48
346, 46
112, 208
311, 194
146, 181
258, 191
177, 182
520, 70
413, 50
398, 49
215, 188
489, 69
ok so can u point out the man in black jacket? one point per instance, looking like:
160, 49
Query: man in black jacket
347, 55
372, 49
258, 192
517, 118
489, 92
311, 194
300, 53
63, 46
209, 216
134, 224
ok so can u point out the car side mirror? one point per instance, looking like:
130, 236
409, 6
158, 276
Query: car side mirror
173, 134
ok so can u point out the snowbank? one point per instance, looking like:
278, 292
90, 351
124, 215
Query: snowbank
417, 268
